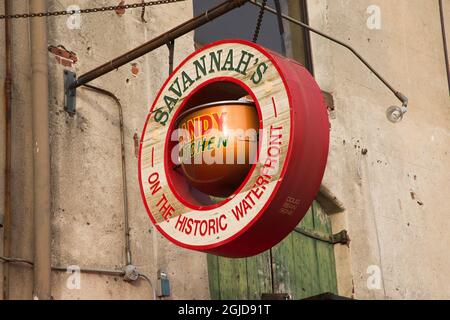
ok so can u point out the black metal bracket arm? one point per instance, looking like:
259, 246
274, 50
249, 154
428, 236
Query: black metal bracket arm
70, 92
71, 82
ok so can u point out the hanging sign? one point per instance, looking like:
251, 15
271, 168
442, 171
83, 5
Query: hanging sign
233, 150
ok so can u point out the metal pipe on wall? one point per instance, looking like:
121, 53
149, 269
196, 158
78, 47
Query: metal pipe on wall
7, 110
41, 152
105, 272
444, 38
8, 261
126, 215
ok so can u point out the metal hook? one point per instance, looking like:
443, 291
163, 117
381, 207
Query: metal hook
171, 46
143, 13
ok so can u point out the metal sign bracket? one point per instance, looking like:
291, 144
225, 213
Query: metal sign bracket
70, 92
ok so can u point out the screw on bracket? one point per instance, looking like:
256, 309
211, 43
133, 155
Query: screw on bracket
70, 93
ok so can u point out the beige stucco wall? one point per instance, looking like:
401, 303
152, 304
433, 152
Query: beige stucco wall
86, 160
87, 214
406, 238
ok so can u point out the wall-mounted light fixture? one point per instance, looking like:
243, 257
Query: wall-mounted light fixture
395, 113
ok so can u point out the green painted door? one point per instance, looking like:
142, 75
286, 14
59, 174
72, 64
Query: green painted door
300, 265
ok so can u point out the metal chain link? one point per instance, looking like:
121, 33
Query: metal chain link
90, 10
259, 21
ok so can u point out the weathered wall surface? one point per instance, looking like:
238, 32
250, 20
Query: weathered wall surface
396, 195
87, 201
88, 219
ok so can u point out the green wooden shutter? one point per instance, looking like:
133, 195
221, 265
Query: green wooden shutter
300, 265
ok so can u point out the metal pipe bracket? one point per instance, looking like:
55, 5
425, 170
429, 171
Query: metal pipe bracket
70, 92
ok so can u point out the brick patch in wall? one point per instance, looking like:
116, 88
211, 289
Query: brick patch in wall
63, 56
134, 69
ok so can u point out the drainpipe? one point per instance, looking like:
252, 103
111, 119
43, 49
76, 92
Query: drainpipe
41, 152
444, 38
7, 196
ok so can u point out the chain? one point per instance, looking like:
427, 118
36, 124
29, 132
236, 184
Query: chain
90, 10
143, 13
259, 21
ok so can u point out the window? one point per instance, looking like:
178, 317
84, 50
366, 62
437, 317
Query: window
240, 24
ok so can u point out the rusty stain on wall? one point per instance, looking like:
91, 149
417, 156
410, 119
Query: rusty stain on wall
134, 69
120, 12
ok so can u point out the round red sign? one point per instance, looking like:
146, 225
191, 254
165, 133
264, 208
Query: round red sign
233, 150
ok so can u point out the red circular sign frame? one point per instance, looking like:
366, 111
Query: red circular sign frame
293, 113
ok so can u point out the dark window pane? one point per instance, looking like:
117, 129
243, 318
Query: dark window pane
238, 24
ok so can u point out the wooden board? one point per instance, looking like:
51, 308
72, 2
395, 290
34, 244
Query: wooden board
306, 260
325, 253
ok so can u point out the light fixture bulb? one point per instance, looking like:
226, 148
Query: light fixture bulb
395, 114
